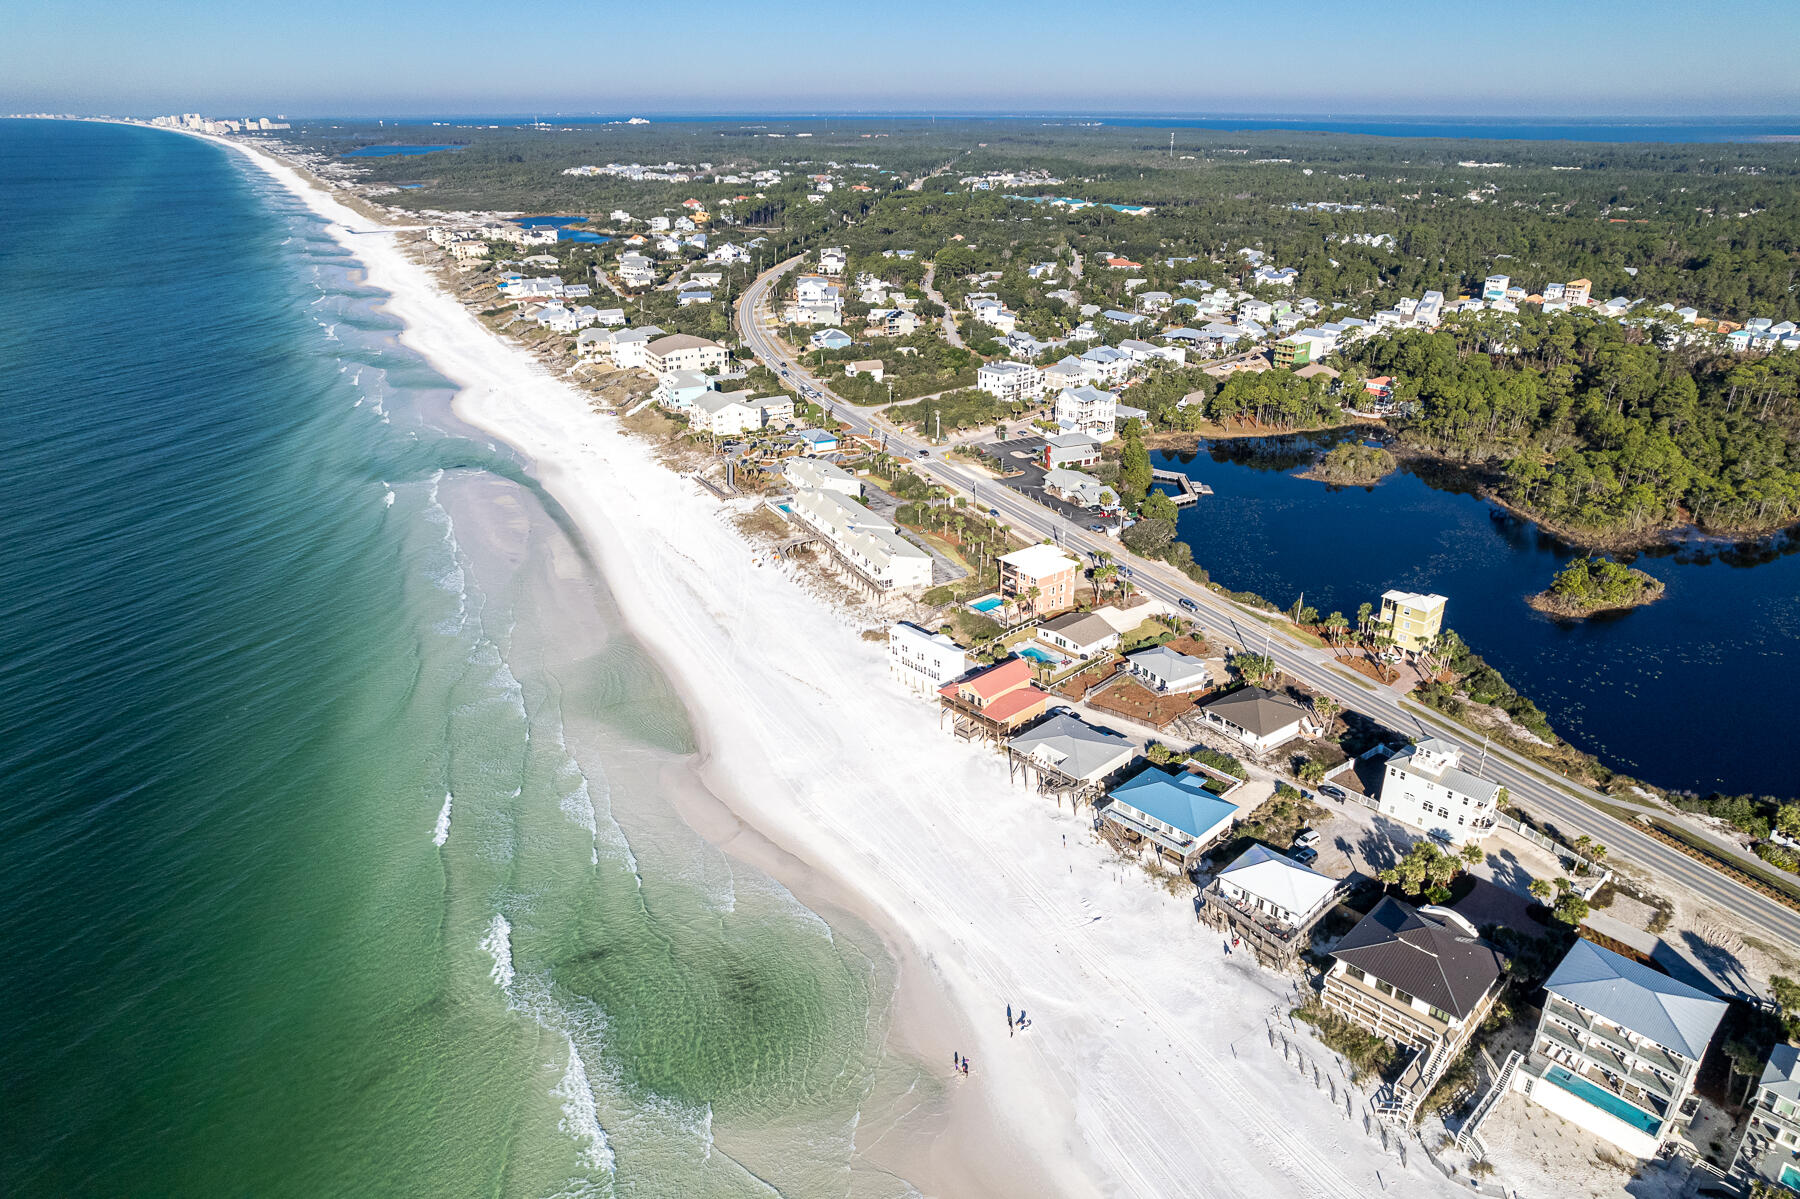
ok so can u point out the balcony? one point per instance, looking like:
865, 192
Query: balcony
1599, 1066
1651, 1055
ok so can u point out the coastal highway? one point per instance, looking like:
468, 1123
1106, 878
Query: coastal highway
1549, 797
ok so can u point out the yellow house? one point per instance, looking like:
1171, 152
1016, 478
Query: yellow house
1413, 620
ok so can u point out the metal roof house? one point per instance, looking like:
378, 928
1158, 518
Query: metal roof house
1177, 813
1269, 900
1618, 1047
1065, 753
1168, 672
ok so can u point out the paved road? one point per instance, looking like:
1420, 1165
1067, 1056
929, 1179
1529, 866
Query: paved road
951, 334
1559, 802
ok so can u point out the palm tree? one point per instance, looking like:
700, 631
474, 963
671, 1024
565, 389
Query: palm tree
1326, 709
1336, 626
1540, 890
1362, 619
1032, 596
1471, 853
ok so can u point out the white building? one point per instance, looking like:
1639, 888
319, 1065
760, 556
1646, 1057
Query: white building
1258, 719
723, 413
1276, 887
866, 540
1010, 382
1168, 672
924, 661
802, 473
684, 352
629, 346
1426, 787
1618, 1047
1087, 410
832, 260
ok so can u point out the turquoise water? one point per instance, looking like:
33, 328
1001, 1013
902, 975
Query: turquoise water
1038, 655
1603, 1099
1790, 1177
984, 606
339, 836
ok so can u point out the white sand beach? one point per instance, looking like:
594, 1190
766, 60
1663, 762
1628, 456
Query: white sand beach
1150, 1068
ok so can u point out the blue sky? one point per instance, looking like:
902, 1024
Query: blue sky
332, 57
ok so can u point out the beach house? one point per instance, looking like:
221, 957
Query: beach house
630, 347
820, 475
1770, 1145
922, 660
1065, 754
1083, 491
1178, 815
1258, 719
1269, 900
1010, 382
1426, 787
1421, 977
1087, 410
1079, 634
1070, 450
995, 703
1168, 672
1618, 1046
863, 540
684, 352
1040, 578
1413, 620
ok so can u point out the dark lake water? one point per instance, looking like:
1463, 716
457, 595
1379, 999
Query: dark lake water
1692, 691
563, 232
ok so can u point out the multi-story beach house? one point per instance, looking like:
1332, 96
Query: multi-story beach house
1577, 293
1421, 977
1010, 382
1617, 1048
863, 540
1087, 410
724, 413
924, 661
1426, 787
1269, 900
1770, 1149
1178, 815
1494, 287
802, 473
683, 352
1044, 569
995, 703
1413, 619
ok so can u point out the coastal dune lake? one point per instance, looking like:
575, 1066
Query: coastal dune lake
340, 838
1688, 692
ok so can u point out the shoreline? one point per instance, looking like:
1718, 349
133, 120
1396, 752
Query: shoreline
1129, 1081
960, 1160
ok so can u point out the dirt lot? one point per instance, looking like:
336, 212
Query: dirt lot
1134, 701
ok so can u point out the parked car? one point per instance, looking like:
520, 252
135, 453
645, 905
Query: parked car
1332, 789
1304, 856
1307, 838
1096, 528
993, 512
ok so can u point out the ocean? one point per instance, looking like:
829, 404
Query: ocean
342, 833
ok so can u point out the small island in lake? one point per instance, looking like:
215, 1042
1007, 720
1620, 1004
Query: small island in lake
1352, 465
1590, 585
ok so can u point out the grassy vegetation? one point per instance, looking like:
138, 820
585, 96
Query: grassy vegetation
1366, 1052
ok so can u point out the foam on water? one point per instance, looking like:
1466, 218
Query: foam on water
442, 833
498, 943
581, 1117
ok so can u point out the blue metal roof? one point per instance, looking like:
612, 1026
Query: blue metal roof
1180, 801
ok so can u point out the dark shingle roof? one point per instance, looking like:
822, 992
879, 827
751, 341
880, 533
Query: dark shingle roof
1423, 956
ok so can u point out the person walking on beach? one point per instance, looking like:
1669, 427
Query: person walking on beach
965, 1067
955, 1060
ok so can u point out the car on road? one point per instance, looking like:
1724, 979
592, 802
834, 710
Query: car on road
993, 512
1096, 528
1305, 855
1336, 792
924, 453
1306, 838
1189, 604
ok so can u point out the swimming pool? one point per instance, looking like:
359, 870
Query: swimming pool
1790, 1177
1604, 1099
987, 604
1038, 655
